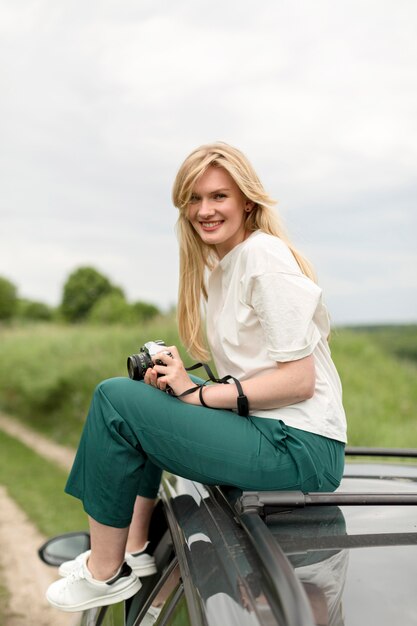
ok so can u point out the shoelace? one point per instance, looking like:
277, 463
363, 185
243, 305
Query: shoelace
77, 574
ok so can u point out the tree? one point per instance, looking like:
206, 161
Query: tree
82, 290
111, 309
143, 311
8, 299
33, 310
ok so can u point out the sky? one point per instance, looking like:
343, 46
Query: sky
102, 100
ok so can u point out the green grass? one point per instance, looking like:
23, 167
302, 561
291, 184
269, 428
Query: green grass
48, 373
400, 341
37, 486
380, 389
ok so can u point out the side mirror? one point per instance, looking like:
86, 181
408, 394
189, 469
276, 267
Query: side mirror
64, 548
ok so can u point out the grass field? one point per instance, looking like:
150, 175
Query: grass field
380, 385
37, 486
48, 372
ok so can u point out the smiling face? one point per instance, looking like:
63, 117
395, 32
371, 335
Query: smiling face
217, 210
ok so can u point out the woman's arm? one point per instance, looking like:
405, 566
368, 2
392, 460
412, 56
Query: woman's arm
291, 382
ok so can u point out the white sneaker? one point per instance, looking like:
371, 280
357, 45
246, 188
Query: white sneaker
80, 591
68, 567
142, 563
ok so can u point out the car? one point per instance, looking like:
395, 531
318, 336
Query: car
232, 558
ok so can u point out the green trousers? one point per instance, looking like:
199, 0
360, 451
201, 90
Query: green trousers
134, 431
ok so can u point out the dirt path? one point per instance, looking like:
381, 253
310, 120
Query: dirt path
22, 572
60, 455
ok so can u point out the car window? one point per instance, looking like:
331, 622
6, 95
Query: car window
113, 615
168, 606
178, 616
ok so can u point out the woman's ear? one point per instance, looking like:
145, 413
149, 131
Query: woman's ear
249, 205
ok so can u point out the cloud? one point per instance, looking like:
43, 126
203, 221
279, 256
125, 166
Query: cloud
102, 101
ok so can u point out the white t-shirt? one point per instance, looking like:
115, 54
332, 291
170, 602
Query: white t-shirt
262, 310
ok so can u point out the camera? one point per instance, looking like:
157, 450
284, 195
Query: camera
137, 364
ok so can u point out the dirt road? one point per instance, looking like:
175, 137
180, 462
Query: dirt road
22, 572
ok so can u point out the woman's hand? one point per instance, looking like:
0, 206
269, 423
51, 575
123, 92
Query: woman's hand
171, 374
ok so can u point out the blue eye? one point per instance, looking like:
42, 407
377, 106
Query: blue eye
194, 199
220, 196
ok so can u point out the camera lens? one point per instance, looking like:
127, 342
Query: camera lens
137, 364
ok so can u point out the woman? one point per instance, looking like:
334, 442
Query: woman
267, 328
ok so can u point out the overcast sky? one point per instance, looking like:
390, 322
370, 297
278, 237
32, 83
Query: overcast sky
102, 100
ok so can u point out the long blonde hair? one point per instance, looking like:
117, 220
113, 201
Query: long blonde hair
195, 255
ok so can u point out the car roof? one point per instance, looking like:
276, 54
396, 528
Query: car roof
357, 560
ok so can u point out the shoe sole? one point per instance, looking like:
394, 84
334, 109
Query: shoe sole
106, 600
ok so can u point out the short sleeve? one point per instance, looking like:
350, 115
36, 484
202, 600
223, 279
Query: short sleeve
285, 304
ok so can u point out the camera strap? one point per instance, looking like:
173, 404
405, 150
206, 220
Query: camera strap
242, 400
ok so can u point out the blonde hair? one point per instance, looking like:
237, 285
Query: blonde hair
196, 256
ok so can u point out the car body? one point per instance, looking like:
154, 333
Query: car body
228, 558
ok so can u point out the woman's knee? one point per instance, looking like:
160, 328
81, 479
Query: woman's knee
114, 408
129, 398
112, 391
110, 386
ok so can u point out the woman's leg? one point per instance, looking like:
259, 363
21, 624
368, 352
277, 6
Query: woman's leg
139, 526
131, 423
107, 549
145, 501
101, 577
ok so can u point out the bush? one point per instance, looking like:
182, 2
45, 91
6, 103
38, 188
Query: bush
32, 310
143, 311
111, 309
82, 290
8, 299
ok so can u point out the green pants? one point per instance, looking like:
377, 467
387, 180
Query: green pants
134, 431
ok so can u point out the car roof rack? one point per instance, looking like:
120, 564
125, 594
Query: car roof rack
266, 502
372, 451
